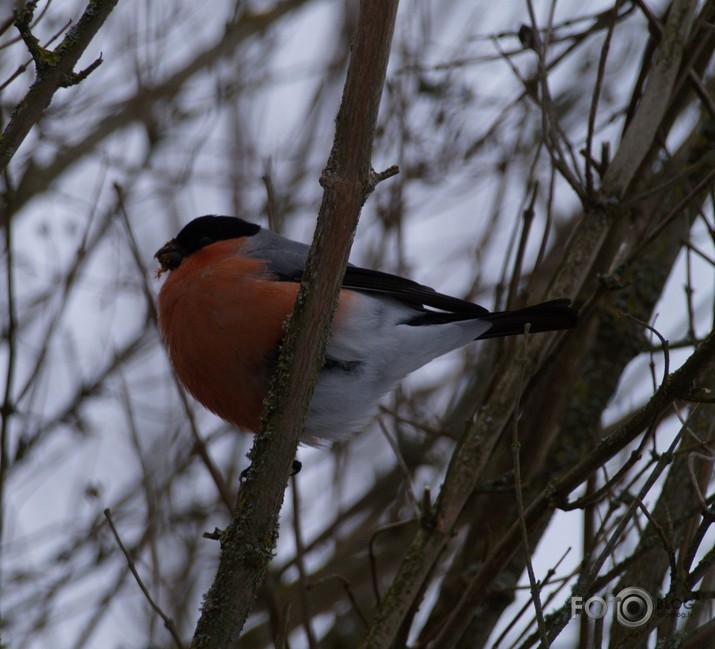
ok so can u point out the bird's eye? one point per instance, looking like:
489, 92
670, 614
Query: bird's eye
206, 241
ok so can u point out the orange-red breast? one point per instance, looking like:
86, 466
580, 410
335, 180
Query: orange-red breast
231, 286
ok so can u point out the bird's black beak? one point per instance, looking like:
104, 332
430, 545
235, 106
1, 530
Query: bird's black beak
170, 256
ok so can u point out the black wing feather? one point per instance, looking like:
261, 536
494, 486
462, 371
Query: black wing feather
437, 308
407, 291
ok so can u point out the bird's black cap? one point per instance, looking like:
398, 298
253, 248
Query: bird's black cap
202, 232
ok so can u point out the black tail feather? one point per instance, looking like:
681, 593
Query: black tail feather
547, 316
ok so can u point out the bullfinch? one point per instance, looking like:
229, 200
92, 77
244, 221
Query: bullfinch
231, 286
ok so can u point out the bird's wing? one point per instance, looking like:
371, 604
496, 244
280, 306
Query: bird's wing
286, 260
405, 290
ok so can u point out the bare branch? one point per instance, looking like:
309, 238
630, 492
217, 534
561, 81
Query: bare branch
654, 104
55, 69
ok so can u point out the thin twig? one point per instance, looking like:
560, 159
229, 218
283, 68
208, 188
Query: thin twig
707, 521
373, 559
667, 543
302, 577
612, 19
663, 342
527, 217
549, 121
8, 407
348, 591
515, 448
517, 616
403, 466
168, 622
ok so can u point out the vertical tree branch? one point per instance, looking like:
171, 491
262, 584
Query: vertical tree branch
641, 133
7, 409
249, 541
